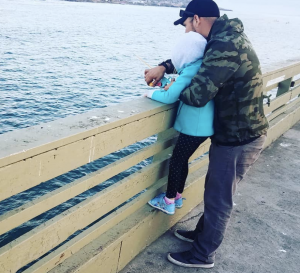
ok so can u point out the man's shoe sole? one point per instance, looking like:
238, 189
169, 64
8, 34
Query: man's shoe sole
189, 265
167, 212
182, 238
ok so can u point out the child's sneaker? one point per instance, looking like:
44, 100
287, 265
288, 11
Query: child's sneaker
179, 202
159, 203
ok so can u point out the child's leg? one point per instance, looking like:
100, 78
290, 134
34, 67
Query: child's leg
178, 168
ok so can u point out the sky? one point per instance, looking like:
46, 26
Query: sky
280, 7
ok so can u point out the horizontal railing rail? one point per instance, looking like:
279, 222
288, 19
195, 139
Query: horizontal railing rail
31, 156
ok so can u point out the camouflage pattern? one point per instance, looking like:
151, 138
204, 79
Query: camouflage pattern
231, 75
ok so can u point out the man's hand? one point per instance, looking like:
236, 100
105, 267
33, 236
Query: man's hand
154, 74
166, 88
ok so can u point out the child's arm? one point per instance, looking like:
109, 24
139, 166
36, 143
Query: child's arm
173, 93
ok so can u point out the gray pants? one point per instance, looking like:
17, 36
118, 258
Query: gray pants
227, 167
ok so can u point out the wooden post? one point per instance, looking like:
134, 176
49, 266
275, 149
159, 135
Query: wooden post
161, 136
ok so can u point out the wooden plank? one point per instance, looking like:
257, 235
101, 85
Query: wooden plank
270, 87
28, 173
282, 110
282, 123
204, 147
127, 230
28, 142
45, 237
275, 85
152, 227
281, 74
277, 102
198, 164
164, 135
32, 209
108, 263
281, 100
296, 115
89, 235
74, 245
295, 92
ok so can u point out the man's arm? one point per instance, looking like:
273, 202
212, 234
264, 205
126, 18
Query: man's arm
173, 93
220, 62
158, 72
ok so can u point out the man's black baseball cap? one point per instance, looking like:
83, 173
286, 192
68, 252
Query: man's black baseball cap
202, 8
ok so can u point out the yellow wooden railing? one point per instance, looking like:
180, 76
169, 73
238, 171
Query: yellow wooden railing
37, 154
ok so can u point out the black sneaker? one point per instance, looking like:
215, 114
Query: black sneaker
187, 259
184, 235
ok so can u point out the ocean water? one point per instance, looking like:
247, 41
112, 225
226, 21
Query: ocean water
62, 58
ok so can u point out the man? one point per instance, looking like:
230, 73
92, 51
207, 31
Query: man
230, 74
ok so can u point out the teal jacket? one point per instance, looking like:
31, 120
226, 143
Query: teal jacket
190, 120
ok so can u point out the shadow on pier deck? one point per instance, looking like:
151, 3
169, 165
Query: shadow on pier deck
263, 235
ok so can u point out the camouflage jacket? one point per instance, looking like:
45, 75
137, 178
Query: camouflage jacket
231, 75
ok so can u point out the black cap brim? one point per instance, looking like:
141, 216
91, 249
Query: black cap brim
180, 21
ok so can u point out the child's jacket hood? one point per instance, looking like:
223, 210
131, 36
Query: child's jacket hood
189, 49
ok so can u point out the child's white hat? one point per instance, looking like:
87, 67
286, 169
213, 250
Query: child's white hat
189, 49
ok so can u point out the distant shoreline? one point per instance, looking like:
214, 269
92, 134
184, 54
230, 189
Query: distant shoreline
225, 9
141, 3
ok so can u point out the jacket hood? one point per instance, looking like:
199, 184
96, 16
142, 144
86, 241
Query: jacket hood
224, 27
188, 49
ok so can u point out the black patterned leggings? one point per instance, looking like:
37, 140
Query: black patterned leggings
178, 168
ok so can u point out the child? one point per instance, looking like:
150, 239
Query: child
194, 124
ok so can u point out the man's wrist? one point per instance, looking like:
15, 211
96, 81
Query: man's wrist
170, 69
164, 64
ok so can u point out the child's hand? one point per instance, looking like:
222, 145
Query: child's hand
149, 94
169, 85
